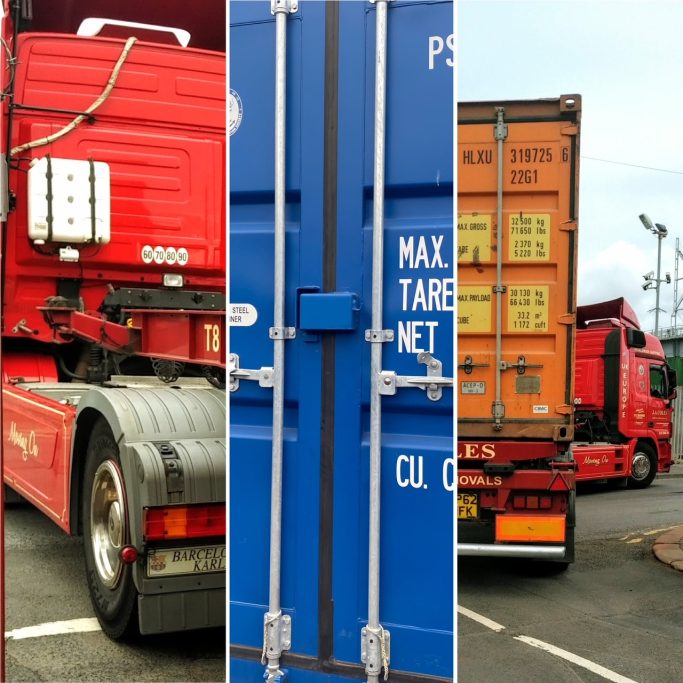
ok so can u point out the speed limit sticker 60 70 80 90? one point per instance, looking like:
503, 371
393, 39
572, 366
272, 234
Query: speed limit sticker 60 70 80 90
165, 255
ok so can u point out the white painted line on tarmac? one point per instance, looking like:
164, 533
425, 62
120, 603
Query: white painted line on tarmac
652, 532
54, 628
648, 532
575, 659
550, 649
494, 626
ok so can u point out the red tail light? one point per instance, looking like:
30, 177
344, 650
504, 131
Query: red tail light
522, 502
184, 521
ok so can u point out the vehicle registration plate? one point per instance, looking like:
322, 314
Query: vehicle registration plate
195, 560
468, 506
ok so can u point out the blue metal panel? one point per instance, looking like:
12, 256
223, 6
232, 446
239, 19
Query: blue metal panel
416, 582
416, 578
252, 75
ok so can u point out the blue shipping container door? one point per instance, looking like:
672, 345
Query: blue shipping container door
328, 299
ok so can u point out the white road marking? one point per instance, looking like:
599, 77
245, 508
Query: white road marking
494, 626
550, 649
657, 531
575, 659
54, 628
648, 532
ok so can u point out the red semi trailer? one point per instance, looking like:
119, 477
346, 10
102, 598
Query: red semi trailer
113, 300
623, 394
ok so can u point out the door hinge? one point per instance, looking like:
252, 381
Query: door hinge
375, 650
277, 635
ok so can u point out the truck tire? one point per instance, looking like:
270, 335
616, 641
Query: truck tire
643, 466
105, 532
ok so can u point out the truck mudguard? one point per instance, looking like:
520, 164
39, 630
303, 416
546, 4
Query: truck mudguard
192, 420
172, 445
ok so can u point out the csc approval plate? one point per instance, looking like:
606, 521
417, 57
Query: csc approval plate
176, 561
473, 387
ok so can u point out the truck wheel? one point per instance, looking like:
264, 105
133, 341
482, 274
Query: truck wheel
105, 532
643, 467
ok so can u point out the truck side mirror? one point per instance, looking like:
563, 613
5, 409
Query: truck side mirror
672, 382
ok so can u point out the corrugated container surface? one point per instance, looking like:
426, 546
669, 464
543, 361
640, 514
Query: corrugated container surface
537, 243
330, 105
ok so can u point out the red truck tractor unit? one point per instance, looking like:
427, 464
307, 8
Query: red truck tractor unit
112, 201
623, 394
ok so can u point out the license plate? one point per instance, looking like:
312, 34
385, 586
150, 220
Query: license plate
196, 560
468, 506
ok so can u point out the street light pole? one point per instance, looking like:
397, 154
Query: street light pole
660, 232
659, 266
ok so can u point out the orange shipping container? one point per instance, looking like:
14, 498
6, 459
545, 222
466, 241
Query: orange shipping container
518, 165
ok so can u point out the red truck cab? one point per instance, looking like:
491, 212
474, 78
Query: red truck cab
623, 393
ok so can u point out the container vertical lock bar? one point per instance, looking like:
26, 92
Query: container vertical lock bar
500, 133
376, 659
274, 641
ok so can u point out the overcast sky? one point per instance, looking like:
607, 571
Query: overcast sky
626, 60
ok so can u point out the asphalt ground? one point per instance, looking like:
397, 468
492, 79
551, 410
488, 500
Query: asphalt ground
668, 548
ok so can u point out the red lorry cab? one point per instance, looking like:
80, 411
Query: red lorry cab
623, 394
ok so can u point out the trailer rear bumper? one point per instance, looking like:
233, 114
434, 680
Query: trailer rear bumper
535, 552
183, 611
480, 539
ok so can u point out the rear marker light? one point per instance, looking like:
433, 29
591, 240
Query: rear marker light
129, 554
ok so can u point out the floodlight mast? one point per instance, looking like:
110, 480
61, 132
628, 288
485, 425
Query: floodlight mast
677, 300
660, 232
645, 220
